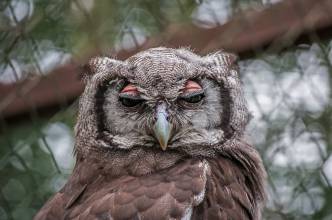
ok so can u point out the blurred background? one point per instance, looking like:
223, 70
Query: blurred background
285, 50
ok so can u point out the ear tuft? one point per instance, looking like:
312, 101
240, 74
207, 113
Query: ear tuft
97, 65
223, 59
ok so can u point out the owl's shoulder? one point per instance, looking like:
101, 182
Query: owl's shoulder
170, 193
228, 195
202, 189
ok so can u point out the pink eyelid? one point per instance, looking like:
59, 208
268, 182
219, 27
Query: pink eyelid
131, 89
191, 86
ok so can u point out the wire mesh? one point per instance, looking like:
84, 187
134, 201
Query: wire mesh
288, 86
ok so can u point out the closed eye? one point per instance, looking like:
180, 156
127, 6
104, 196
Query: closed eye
130, 100
193, 97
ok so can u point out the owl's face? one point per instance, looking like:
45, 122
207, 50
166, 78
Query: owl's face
163, 114
162, 98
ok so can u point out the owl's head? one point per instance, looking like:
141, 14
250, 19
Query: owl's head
164, 99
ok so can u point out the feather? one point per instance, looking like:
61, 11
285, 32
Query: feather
206, 172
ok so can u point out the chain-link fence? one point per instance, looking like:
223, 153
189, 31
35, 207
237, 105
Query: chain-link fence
285, 50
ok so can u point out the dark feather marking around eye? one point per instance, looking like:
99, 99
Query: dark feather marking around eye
226, 111
100, 101
99, 111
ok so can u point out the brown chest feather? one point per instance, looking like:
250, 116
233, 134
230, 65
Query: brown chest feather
193, 189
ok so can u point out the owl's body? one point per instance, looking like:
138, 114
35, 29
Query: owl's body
160, 136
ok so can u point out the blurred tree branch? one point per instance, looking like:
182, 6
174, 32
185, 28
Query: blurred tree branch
248, 31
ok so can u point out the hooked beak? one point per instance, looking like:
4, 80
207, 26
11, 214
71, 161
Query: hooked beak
162, 128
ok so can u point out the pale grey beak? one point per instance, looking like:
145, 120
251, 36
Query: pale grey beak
162, 128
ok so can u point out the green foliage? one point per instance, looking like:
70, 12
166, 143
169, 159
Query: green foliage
289, 93
30, 173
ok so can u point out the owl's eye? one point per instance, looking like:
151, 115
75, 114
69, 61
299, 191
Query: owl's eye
192, 86
192, 92
129, 101
129, 96
130, 89
193, 98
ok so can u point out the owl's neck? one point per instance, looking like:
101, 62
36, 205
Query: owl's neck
133, 162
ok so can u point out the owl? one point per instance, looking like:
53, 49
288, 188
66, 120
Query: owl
161, 135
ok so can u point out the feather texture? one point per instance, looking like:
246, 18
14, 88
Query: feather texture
207, 170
